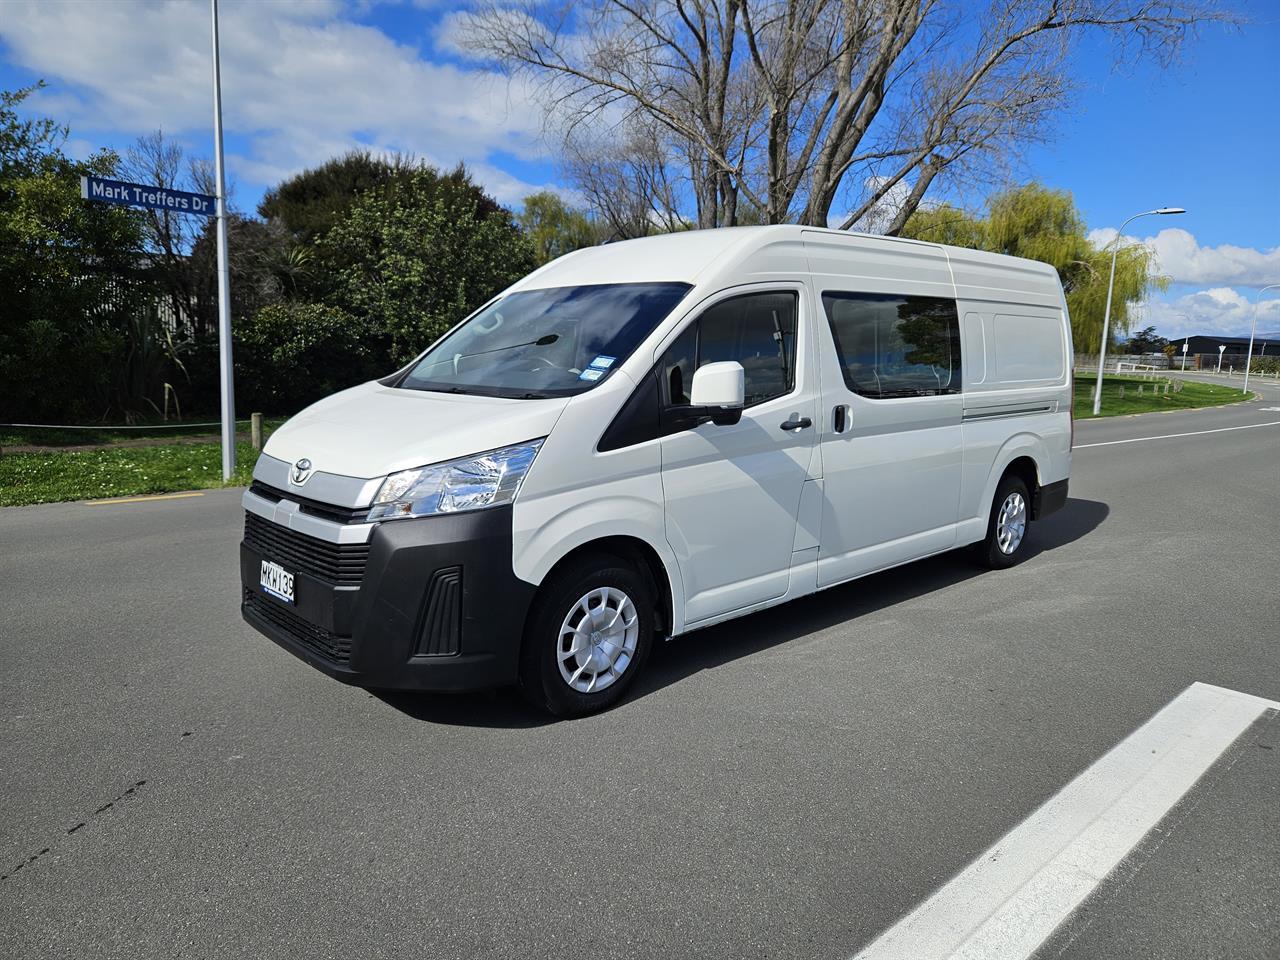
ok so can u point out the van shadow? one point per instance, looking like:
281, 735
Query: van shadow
724, 643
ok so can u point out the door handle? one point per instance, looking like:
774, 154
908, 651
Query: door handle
840, 418
797, 424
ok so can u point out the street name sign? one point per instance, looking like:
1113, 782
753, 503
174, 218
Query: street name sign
142, 195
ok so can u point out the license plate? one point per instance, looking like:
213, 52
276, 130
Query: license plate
277, 581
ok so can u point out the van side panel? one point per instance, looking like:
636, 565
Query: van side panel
574, 494
1017, 387
1020, 407
1029, 348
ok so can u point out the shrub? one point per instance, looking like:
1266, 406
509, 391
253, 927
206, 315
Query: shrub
289, 355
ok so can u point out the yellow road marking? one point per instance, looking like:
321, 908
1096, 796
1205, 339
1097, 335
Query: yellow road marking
158, 496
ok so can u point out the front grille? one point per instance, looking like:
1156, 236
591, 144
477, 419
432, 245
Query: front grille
338, 563
317, 639
316, 508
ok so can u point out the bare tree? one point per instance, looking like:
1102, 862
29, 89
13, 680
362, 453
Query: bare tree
171, 236
630, 179
788, 107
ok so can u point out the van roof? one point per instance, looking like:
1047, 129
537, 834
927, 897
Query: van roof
692, 256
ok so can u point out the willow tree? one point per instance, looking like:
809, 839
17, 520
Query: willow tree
814, 111
1042, 224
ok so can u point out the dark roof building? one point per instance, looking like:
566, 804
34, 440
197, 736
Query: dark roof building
1236, 346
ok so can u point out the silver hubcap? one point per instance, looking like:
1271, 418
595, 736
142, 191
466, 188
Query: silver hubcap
1011, 523
598, 640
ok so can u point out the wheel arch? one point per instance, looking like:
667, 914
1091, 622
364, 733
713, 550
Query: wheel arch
637, 552
1024, 455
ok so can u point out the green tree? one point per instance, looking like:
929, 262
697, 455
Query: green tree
1146, 341
1038, 223
78, 333
310, 203
412, 262
291, 354
555, 228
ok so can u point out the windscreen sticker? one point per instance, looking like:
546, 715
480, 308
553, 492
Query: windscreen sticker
590, 374
603, 362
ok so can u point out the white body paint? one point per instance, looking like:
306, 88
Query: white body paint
745, 516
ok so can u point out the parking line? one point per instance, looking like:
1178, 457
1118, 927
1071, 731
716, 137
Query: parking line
1170, 436
1006, 902
148, 499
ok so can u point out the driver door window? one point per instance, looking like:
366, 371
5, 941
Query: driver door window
758, 330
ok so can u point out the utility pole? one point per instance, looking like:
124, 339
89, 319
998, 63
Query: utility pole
225, 368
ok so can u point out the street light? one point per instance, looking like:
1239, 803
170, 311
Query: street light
1253, 330
226, 370
1106, 318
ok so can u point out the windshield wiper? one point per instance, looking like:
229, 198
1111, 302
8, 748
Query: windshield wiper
542, 341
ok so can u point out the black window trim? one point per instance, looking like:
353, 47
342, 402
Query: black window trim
633, 424
958, 375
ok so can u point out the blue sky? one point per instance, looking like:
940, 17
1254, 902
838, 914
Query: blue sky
303, 81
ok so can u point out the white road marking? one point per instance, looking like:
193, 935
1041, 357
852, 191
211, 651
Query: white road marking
1005, 904
1170, 436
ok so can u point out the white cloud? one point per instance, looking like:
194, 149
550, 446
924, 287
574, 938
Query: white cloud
1185, 261
1220, 310
300, 82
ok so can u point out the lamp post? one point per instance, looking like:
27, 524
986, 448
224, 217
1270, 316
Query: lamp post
1106, 317
1253, 331
225, 369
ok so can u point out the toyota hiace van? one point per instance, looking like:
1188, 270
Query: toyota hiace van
645, 438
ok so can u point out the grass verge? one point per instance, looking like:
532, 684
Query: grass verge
1192, 395
27, 478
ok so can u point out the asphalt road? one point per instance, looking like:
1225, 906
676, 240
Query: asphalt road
787, 785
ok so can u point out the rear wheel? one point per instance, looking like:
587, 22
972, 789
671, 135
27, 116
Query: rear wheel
589, 633
1006, 540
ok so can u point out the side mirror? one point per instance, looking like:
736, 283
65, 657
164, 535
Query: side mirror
719, 390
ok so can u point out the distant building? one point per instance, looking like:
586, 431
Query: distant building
1237, 347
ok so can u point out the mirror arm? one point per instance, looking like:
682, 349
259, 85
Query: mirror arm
688, 416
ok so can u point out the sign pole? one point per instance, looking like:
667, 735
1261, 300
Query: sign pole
224, 275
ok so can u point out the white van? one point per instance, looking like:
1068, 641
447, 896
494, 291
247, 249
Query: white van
646, 438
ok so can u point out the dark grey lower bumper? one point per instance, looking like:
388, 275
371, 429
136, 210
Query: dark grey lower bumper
438, 607
1049, 499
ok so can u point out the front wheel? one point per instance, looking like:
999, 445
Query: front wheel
1006, 540
589, 633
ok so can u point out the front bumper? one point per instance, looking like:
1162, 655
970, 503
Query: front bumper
435, 606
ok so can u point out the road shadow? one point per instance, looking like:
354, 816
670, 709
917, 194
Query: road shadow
745, 636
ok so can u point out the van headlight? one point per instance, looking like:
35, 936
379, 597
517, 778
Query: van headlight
487, 479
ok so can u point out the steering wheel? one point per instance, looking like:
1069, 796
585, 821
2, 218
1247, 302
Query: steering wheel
546, 362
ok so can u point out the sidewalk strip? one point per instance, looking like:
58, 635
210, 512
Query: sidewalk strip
148, 499
1171, 436
1005, 904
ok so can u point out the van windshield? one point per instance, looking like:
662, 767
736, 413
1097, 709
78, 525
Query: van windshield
546, 343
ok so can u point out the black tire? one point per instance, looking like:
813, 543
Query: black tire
541, 679
989, 552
